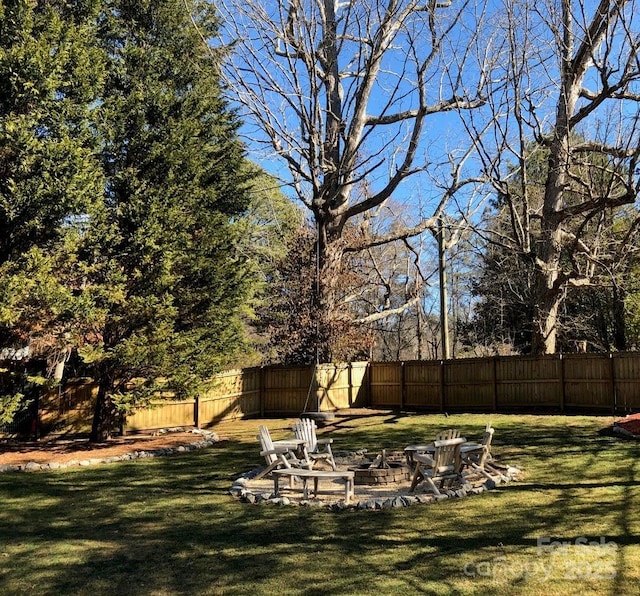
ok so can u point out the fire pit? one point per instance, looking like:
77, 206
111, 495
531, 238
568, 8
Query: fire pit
381, 471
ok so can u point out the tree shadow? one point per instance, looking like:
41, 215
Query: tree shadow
168, 525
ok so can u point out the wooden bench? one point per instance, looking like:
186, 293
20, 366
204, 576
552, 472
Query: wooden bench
304, 475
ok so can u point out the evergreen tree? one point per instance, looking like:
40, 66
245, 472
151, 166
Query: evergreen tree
51, 71
272, 225
49, 74
167, 282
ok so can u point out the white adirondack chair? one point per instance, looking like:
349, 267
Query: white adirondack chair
477, 455
317, 449
283, 454
444, 465
411, 450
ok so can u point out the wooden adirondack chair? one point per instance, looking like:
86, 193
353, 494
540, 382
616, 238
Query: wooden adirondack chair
317, 449
411, 450
445, 435
444, 465
476, 455
282, 455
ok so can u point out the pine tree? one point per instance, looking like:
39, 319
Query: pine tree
167, 282
122, 192
51, 71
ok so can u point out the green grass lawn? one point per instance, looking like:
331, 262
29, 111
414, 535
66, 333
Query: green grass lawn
168, 526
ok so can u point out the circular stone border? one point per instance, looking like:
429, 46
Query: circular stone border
241, 492
208, 439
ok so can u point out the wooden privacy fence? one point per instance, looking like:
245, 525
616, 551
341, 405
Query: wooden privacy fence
597, 383
253, 392
585, 382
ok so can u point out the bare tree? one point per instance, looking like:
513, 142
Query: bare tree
573, 93
342, 93
394, 282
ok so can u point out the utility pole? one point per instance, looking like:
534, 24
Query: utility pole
442, 270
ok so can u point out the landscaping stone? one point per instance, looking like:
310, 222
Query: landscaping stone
473, 485
340, 506
211, 439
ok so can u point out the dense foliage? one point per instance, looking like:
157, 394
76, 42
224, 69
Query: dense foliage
129, 172
293, 324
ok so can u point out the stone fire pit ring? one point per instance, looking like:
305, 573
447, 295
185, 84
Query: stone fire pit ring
246, 490
382, 470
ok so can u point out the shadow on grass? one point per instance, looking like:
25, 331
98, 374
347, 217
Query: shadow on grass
168, 526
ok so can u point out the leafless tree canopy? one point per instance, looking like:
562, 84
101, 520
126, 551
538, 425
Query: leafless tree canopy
569, 87
343, 94
342, 91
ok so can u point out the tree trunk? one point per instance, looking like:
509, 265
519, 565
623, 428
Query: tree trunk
104, 415
545, 314
329, 265
548, 289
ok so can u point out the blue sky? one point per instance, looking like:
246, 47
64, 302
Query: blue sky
476, 40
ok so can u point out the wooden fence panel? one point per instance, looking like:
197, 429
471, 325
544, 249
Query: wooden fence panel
333, 382
386, 384
588, 381
626, 377
528, 382
68, 408
235, 394
162, 414
359, 396
422, 384
469, 384
288, 390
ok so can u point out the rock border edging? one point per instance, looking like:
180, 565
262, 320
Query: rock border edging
209, 438
240, 491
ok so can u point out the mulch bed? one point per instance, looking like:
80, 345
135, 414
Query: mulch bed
62, 450
630, 425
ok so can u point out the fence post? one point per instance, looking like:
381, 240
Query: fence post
442, 387
369, 399
196, 411
562, 387
495, 383
612, 383
261, 391
402, 386
350, 382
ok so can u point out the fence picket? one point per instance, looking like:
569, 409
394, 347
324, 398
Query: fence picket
592, 382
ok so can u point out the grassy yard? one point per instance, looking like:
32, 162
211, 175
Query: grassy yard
168, 526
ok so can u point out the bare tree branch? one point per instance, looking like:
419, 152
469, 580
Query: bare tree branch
342, 92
